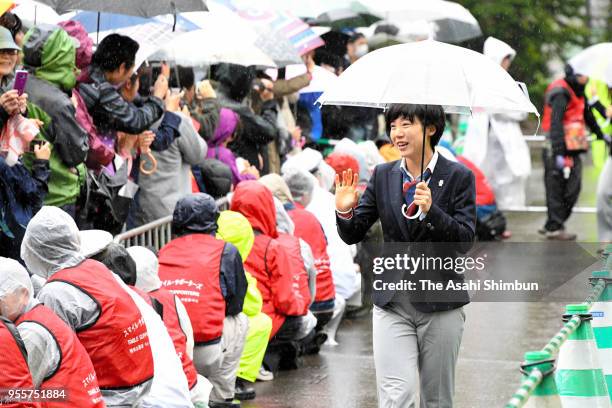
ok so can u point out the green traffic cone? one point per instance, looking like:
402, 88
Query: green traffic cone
579, 376
606, 253
602, 325
546, 394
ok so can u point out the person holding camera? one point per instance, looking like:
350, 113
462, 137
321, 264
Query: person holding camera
257, 130
22, 191
113, 64
22, 194
199, 99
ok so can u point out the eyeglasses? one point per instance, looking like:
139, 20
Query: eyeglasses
9, 51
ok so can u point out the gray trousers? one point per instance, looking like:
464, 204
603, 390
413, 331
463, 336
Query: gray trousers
604, 203
411, 347
219, 362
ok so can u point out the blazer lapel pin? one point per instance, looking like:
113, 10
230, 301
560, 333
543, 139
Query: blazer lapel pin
440, 183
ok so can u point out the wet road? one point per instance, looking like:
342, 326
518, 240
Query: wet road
496, 337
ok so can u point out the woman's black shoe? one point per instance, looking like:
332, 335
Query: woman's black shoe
244, 390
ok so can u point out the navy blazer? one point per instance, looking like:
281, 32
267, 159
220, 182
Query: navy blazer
451, 219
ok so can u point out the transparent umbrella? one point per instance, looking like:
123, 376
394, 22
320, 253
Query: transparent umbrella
276, 25
276, 46
355, 16
223, 39
150, 33
453, 23
432, 73
428, 72
33, 12
594, 61
308, 8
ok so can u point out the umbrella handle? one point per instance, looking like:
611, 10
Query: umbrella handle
143, 167
404, 208
411, 217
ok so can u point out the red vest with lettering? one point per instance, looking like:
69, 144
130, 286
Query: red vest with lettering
573, 120
171, 320
117, 342
144, 295
308, 228
257, 267
300, 275
14, 370
190, 267
75, 372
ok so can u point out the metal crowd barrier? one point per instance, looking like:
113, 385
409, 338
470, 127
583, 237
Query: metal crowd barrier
155, 234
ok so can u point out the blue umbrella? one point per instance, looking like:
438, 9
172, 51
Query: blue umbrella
93, 21
97, 22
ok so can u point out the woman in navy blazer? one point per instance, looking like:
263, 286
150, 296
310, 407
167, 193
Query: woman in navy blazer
414, 329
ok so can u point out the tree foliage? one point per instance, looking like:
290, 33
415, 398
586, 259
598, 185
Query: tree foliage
539, 30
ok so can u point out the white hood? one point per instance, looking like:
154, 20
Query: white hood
497, 50
51, 242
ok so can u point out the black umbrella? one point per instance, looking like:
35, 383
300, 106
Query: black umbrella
110, 198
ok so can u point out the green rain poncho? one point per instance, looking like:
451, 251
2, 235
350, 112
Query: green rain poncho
236, 229
50, 55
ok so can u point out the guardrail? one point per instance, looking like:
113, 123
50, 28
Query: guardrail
535, 377
155, 234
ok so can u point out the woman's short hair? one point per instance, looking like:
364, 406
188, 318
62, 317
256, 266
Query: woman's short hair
11, 22
428, 115
114, 50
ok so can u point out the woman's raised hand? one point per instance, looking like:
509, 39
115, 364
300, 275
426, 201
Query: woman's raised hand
346, 191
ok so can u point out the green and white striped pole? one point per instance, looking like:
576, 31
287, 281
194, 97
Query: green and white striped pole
545, 394
579, 375
606, 258
606, 254
602, 325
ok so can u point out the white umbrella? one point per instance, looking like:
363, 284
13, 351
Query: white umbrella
305, 8
322, 79
225, 38
430, 73
453, 22
272, 40
594, 61
150, 36
32, 13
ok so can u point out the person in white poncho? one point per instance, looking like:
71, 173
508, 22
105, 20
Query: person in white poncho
495, 143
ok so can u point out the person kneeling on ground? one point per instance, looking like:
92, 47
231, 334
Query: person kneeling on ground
56, 357
94, 303
208, 277
235, 229
16, 371
270, 264
170, 388
327, 307
175, 318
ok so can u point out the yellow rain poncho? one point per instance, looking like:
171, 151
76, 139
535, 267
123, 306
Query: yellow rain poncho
599, 89
236, 229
